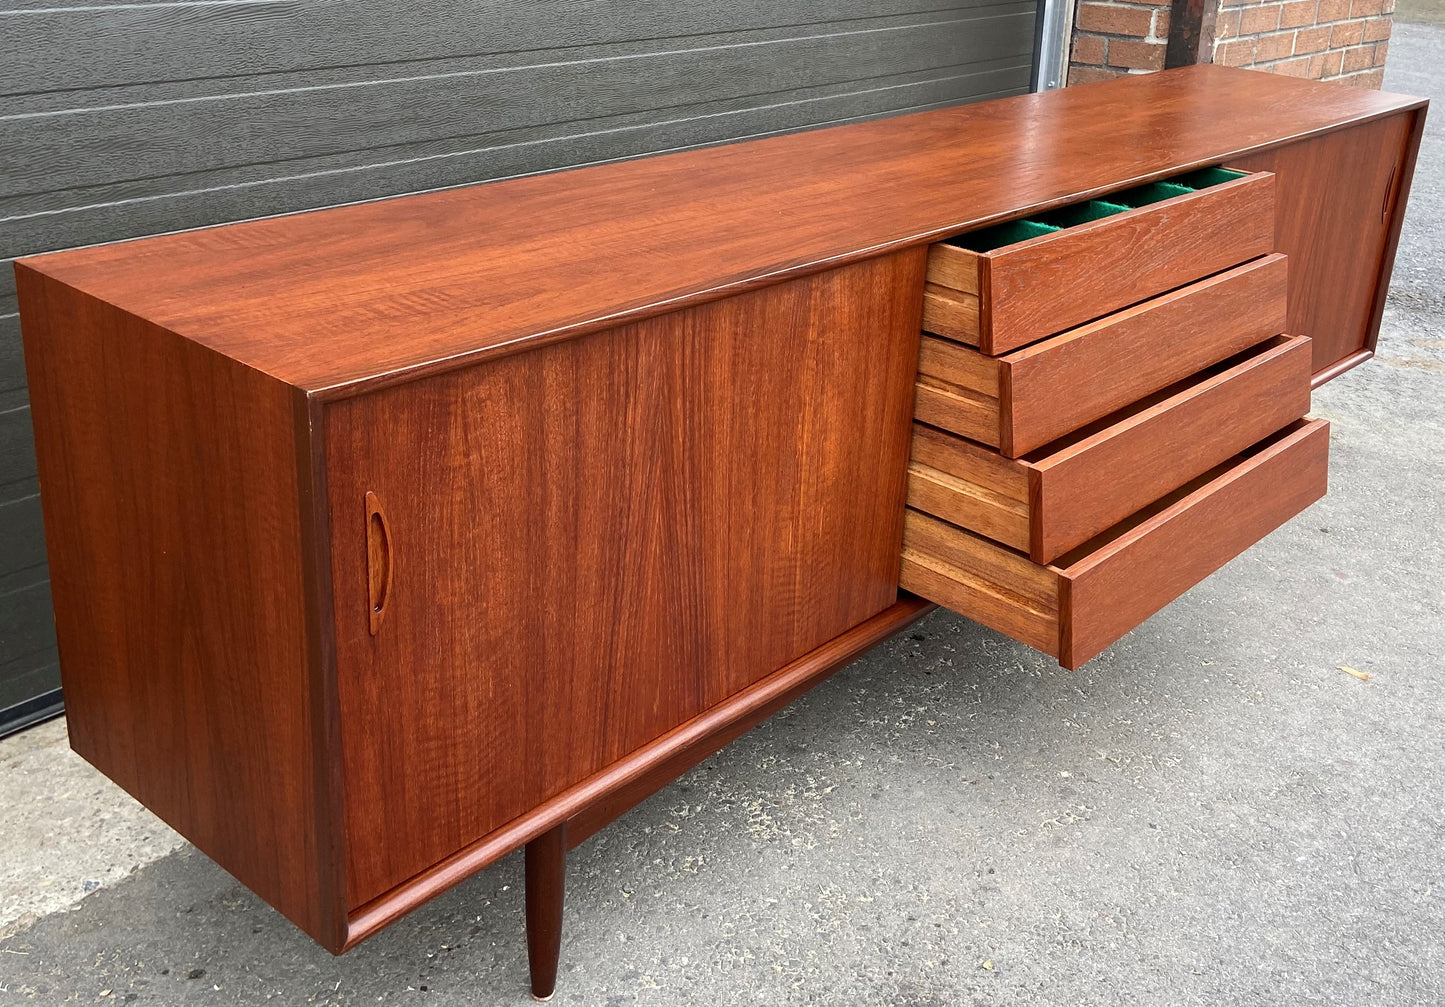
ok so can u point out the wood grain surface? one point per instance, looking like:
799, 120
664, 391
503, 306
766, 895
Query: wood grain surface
965, 412
595, 542
1051, 283
958, 388
176, 552
981, 580
969, 485
949, 363
1022, 400
1083, 487
952, 313
1076, 488
363, 295
653, 767
1061, 384
1338, 210
1076, 607
1118, 585
598, 799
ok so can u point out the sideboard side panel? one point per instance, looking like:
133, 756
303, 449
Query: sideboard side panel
1339, 200
593, 542
170, 491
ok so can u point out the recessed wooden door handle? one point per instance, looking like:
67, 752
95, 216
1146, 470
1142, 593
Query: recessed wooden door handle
378, 559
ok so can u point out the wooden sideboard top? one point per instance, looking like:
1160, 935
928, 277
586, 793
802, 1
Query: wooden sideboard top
339, 300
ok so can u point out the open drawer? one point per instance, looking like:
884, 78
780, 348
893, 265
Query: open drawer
1029, 397
1004, 286
1076, 488
1079, 605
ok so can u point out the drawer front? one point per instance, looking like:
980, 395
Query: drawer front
1063, 383
1086, 487
1073, 490
1043, 285
1075, 608
1025, 399
1117, 586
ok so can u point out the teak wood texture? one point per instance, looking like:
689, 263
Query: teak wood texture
1345, 192
1023, 400
1020, 293
389, 539
610, 536
364, 294
1083, 486
600, 798
174, 498
1077, 488
1077, 606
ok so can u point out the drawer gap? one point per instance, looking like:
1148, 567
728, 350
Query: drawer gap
1104, 317
1134, 408
1101, 540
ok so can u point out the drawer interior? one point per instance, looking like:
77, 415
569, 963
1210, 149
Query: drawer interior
1014, 231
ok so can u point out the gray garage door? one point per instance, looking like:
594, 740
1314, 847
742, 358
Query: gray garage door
125, 119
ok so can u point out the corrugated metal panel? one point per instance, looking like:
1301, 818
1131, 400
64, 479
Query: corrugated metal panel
122, 119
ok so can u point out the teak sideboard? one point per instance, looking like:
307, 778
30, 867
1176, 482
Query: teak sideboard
390, 538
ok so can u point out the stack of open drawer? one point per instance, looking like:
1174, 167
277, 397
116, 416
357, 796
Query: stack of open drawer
1106, 411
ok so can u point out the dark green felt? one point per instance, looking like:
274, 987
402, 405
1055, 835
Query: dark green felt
999, 235
1015, 231
1081, 213
1203, 178
1154, 192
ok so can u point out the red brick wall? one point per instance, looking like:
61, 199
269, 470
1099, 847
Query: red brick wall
1344, 40
1112, 37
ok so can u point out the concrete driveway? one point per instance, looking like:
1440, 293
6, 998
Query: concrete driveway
1212, 812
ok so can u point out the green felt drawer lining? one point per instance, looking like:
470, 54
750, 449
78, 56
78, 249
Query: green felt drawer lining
1014, 231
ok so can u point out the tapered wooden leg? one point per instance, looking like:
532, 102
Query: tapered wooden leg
546, 877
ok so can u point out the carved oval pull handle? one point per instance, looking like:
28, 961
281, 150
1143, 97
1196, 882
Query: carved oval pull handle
378, 559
